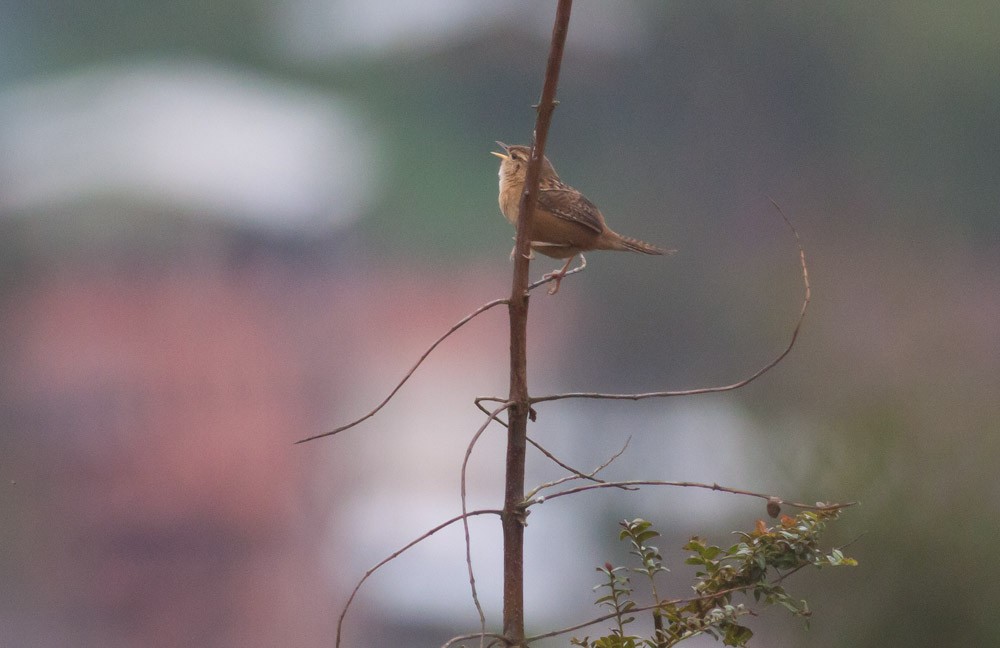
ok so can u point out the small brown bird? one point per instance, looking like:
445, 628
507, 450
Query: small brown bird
565, 222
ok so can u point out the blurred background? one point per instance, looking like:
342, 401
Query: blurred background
231, 224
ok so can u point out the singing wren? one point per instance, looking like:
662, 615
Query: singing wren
565, 223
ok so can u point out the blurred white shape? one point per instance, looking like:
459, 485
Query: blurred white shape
193, 138
320, 30
429, 583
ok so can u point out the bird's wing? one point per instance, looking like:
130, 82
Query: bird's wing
569, 204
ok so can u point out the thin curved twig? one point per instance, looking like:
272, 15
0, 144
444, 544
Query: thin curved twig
462, 322
491, 416
465, 515
819, 506
545, 280
577, 474
476, 635
479, 405
719, 388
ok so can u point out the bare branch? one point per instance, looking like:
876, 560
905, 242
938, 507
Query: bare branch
611, 459
488, 399
491, 416
465, 515
479, 406
519, 400
476, 635
462, 322
576, 473
819, 506
545, 280
719, 388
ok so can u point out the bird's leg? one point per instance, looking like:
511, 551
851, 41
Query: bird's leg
558, 275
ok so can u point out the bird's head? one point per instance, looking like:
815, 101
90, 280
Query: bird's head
514, 162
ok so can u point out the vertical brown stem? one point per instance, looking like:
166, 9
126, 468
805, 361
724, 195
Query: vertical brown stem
513, 512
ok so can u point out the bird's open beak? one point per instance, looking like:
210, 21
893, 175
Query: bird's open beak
504, 155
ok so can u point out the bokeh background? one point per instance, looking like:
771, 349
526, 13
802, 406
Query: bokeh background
229, 224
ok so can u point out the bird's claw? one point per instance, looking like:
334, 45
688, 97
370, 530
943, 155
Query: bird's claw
558, 276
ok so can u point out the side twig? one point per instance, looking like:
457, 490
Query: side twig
465, 515
819, 506
719, 388
491, 416
497, 639
576, 474
462, 322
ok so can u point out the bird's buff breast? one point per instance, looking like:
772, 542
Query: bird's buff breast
509, 198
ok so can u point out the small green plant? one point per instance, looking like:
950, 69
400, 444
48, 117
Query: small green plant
756, 565
617, 600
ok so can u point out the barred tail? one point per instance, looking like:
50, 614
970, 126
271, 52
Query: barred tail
635, 245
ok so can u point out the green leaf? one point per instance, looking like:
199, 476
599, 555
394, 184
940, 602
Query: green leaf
694, 544
648, 534
737, 635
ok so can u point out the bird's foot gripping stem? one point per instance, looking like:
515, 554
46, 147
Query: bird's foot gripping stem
558, 275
